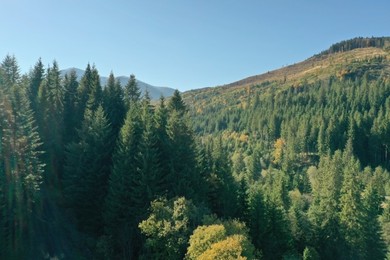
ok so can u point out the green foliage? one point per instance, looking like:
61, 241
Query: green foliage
224, 240
310, 254
168, 228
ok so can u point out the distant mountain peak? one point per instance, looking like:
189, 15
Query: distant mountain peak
155, 92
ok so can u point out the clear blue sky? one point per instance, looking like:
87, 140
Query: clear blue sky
181, 43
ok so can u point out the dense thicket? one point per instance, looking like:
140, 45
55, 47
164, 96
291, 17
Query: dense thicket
266, 172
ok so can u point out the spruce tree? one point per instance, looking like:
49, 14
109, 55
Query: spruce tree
51, 122
114, 104
11, 72
37, 75
184, 177
89, 92
351, 208
20, 167
151, 178
132, 92
124, 206
70, 107
374, 244
324, 210
87, 171
162, 145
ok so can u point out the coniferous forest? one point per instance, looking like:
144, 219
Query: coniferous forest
278, 170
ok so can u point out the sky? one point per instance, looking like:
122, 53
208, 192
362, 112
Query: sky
182, 44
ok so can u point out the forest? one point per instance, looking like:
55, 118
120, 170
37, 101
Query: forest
271, 171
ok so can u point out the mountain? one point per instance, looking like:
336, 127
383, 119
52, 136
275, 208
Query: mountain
347, 59
154, 91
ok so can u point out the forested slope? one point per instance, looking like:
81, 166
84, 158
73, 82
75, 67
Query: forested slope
293, 164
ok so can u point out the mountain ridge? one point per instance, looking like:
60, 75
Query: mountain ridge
155, 92
334, 60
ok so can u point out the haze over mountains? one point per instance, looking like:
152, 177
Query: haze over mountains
154, 91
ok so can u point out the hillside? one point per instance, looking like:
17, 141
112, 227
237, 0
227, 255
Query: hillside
348, 63
155, 92
344, 85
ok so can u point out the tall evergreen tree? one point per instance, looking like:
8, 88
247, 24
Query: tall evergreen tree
151, 178
70, 107
223, 189
162, 144
132, 92
51, 122
37, 75
89, 92
11, 72
20, 167
176, 103
351, 208
323, 213
184, 178
87, 171
96, 93
124, 206
374, 245
113, 103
